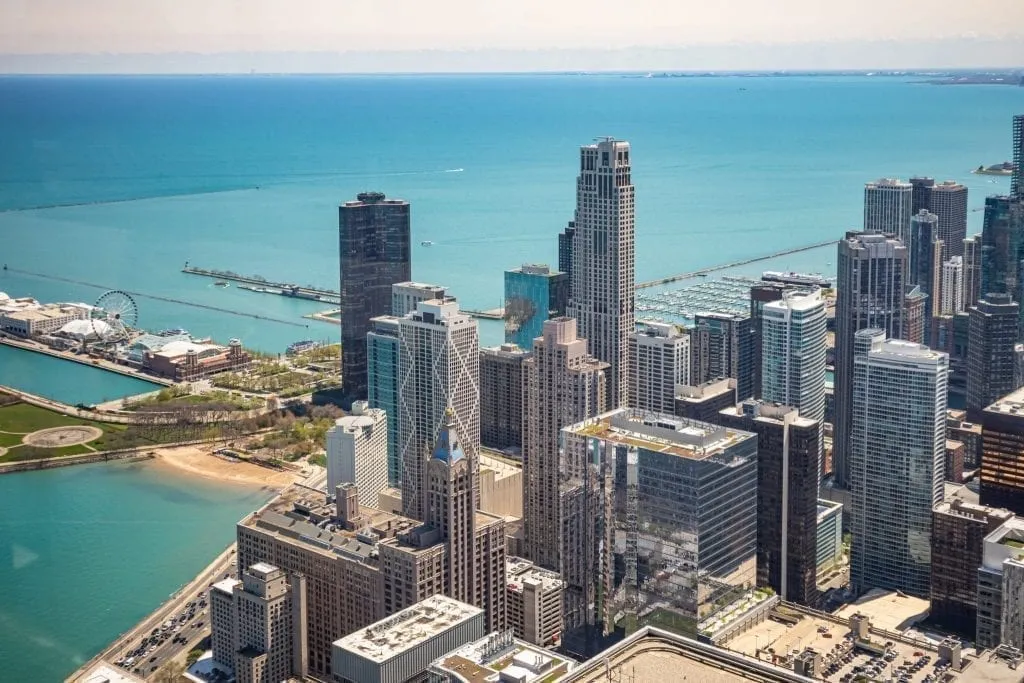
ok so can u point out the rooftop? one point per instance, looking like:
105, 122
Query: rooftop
499, 655
104, 673
518, 571
1011, 404
661, 433
407, 629
226, 585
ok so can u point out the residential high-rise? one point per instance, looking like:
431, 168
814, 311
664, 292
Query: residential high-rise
793, 341
438, 369
788, 447
562, 385
565, 239
921, 194
258, 625
992, 335
374, 238
722, 345
922, 257
535, 598
683, 507
896, 459
972, 270
501, 396
915, 315
762, 293
603, 266
888, 206
382, 352
1002, 250
870, 289
357, 452
533, 293
949, 203
1002, 453
659, 359
405, 296
953, 286
958, 533
1017, 181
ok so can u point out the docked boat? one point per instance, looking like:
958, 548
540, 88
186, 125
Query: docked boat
427, 243
221, 284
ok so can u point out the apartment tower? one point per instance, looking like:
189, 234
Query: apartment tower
921, 195
501, 396
949, 203
659, 360
972, 270
603, 271
896, 460
438, 369
991, 359
357, 452
374, 238
722, 345
1017, 181
888, 206
562, 385
1002, 250
382, 351
870, 290
953, 286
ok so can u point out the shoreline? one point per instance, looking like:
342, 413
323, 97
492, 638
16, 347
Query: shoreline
199, 461
87, 361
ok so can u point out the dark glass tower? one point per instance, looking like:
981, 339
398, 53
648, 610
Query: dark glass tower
992, 334
760, 294
722, 345
374, 247
1002, 250
1017, 181
565, 252
921, 194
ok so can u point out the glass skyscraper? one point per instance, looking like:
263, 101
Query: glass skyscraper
382, 383
533, 293
1002, 248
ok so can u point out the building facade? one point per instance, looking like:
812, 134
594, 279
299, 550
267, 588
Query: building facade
406, 295
921, 194
1002, 250
534, 602
953, 286
1002, 453
872, 271
1001, 588
659, 360
762, 293
382, 353
958, 534
562, 385
949, 203
604, 261
258, 626
897, 453
438, 369
533, 293
565, 239
972, 270
788, 448
705, 401
357, 452
923, 252
991, 359
374, 234
1017, 181
722, 345
888, 206
501, 397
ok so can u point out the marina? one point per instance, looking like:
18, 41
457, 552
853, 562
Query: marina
730, 295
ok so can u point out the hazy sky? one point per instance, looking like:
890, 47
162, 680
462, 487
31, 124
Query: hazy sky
60, 27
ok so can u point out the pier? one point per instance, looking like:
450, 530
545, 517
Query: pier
262, 286
735, 264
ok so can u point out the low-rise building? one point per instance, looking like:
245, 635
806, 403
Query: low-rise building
534, 602
186, 361
402, 647
830, 536
954, 461
499, 657
967, 433
27, 317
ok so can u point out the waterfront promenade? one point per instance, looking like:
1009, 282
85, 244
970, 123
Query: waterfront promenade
103, 364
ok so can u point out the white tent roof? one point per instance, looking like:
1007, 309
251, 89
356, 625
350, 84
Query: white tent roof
86, 329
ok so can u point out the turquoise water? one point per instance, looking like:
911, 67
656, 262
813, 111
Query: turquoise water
90, 550
65, 381
246, 174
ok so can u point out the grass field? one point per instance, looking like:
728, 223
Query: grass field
8, 440
23, 418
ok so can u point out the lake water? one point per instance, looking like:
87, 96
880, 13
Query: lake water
65, 381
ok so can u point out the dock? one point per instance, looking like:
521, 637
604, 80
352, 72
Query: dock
734, 264
263, 286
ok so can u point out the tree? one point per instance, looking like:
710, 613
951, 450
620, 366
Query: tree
170, 672
193, 656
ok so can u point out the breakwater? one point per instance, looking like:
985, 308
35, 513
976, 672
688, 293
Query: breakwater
264, 286
140, 453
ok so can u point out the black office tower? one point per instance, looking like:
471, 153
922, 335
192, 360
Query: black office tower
992, 334
921, 195
1017, 181
374, 236
1002, 248
722, 345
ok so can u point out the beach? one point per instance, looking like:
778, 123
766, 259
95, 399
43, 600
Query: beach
199, 461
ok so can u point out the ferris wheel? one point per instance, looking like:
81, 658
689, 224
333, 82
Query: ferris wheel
114, 313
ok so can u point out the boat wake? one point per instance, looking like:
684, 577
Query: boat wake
454, 170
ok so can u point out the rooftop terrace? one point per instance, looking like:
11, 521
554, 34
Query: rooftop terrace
661, 433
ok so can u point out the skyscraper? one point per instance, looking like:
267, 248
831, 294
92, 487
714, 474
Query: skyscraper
722, 345
921, 193
953, 286
533, 293
501, 396
374, 247
1002, 250
888, 204
949, 203
924, 228
760, 294
405, 296
1017, 181
659, 359
382, 352
992, 334
357, 452
896, 459
438, 369
603, 270
563, 385
788, 447
565, 239
870, 292
972, 270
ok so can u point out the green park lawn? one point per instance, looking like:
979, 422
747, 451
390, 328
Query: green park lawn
19, 419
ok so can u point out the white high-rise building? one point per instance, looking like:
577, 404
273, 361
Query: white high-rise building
357, 452
897, 461
405, 296
888, 207
438, 369
659, 359
603, 266
953, 286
